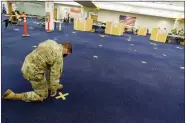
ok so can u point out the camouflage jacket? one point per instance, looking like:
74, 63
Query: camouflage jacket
47, 56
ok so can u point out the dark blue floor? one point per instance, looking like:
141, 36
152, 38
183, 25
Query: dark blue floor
116, 87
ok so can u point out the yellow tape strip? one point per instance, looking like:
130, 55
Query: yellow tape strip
62, 96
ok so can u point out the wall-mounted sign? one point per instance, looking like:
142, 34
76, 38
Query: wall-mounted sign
76, 10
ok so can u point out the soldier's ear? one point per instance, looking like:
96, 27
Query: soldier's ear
68, 51
65, 50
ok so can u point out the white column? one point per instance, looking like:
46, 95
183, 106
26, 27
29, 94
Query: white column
49, 7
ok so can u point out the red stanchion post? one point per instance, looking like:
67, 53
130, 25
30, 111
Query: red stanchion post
25, 28
48, 30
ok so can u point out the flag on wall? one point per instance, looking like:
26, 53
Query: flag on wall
128, 20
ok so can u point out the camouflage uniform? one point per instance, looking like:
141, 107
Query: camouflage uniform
47, 56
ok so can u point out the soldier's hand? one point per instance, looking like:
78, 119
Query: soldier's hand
52, 94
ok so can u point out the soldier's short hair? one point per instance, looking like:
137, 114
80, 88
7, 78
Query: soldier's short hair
68, 46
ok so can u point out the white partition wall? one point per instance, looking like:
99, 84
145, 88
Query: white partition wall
141, 20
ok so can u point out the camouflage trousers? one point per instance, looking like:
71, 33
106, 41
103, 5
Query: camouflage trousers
39, 84
39, 93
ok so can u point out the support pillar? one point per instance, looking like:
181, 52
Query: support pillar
49, 10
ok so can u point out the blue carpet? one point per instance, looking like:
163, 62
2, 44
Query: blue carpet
116, 87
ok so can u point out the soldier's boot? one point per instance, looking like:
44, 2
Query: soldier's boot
10, 95
59, 86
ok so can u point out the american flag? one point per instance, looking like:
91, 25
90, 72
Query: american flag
128, 20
